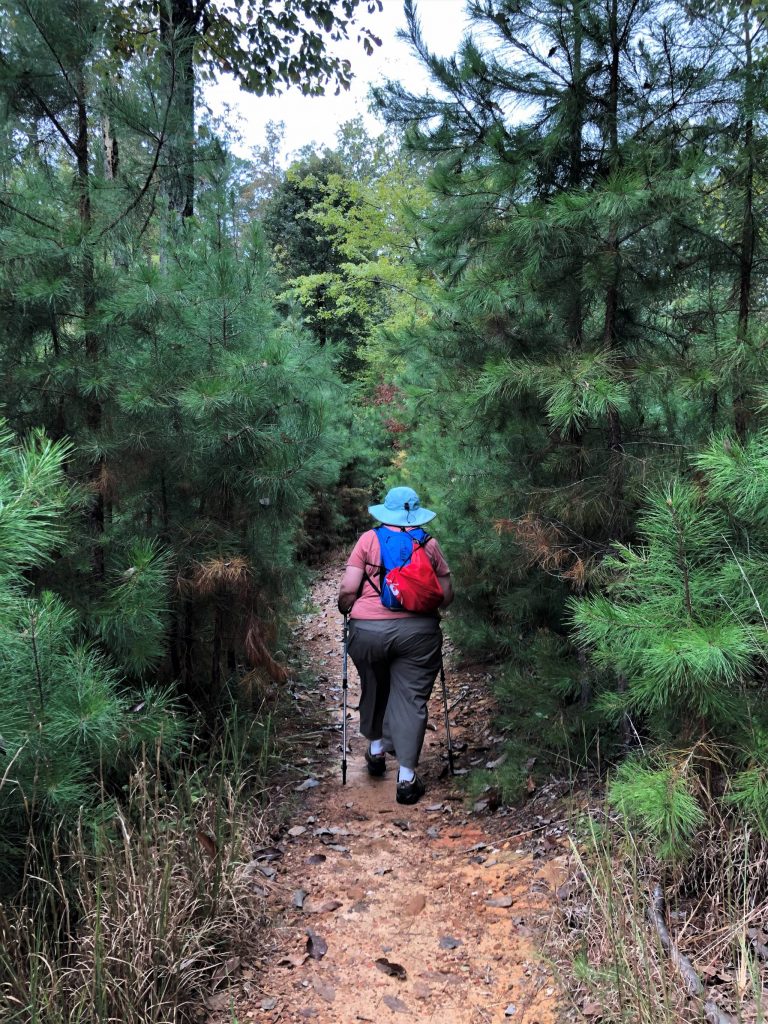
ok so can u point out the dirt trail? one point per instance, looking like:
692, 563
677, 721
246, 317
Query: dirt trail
453, 898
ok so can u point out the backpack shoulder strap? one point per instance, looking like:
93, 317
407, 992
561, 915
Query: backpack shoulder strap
367, 576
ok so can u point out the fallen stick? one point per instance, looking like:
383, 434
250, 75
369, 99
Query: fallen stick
691, 981
464, 693
530, 831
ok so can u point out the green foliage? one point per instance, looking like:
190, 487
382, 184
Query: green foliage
737, 475
65, 721
675, 618
544, 691
526, 416
305, 254
681, 621
340, 235
134, 615
580, 393
150, 535
224, 428
748, 794
203, 425
659, 798
267, 46
33, 496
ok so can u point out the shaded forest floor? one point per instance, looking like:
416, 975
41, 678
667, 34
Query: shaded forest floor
437, 911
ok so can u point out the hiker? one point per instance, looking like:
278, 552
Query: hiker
397, 652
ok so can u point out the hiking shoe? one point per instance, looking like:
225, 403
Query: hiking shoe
377, 763
410, 792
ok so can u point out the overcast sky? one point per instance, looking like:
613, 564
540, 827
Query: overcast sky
315, 119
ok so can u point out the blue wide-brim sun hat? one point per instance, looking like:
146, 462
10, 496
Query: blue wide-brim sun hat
401, 508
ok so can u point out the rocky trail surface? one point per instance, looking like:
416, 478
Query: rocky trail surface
380, 912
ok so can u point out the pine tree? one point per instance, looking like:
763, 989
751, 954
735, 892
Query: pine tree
267, 46
680, 619
222, 432
66, 721
557, 379
200, 422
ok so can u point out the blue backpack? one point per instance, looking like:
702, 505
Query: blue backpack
396, 551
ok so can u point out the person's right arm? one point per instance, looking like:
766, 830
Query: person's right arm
349, 588
352, 580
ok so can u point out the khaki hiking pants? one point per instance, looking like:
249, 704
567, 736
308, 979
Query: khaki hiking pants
397, 661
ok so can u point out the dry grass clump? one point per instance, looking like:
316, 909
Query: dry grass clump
137, 916
647, 943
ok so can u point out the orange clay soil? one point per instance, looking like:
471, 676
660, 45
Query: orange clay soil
382, 912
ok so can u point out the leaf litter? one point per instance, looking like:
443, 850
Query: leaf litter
500, 901
396, 1005
317, 947
324, 989
392, 969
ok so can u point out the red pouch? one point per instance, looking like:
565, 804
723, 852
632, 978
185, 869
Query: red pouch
416, 585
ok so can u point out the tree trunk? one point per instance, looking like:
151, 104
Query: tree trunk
111, 152
575, 174
574, 306
610, 328
178, 32
747, 247
59, 428
93, 410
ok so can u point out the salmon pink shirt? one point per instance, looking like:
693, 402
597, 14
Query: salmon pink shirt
366, 555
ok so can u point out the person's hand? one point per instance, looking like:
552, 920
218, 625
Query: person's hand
343, 607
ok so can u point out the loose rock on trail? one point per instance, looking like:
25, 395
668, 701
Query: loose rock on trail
381, 911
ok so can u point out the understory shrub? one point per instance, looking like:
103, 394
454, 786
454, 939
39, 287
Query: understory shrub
68, 723
678, 632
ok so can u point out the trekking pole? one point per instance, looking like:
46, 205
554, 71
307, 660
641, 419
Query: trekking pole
447, 723
344, 708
